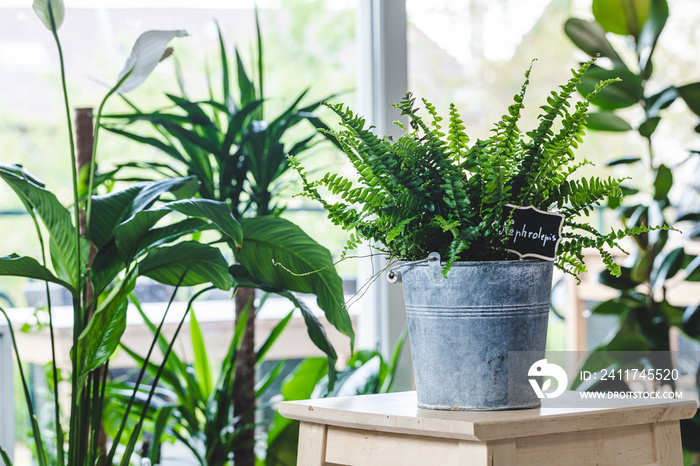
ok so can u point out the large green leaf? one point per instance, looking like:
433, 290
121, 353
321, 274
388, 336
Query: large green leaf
651, 30
619, 94
22, 266
661, 100
624, 17
606, 121
663, 183
101, 337
219, 213
109, 210
135, 234
56, 218
199, 263
666, 266
279, 253
691, 94
589, 36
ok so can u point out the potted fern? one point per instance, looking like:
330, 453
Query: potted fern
450, 213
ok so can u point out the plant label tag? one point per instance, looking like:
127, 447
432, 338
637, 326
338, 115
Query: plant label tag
533, 232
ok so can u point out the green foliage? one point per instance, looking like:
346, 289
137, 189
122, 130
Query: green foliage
645, 315
430, 190
238, 157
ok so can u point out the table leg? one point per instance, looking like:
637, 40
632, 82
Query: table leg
669, 451
312, 444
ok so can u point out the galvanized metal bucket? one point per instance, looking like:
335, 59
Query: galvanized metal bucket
462, 329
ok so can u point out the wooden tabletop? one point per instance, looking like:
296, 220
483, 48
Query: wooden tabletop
398, 413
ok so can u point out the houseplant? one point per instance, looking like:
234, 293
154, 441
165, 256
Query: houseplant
647, 301
236, 148
128, 241
430, 195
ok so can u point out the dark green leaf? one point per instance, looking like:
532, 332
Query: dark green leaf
63, 245
662, 184
157, 143
623, 161
201, 264
691, 94
620, 94
22, 266
667, 266
101, 337
111, 209
589, 36
649, 35
691, 321
693, 270
219, 213
606, 121
661, 100
647, 128
623, 282
279, 253
611, 307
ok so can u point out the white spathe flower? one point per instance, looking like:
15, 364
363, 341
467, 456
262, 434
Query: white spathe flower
41, 8
147, 52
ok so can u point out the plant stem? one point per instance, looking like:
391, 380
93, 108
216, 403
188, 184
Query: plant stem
76, 208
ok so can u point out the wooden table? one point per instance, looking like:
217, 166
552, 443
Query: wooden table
390, 430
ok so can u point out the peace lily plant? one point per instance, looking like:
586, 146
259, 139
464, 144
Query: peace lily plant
121, 226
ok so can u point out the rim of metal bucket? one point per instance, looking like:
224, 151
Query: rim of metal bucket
434, 260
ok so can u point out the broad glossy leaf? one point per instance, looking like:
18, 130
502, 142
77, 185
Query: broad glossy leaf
661, 100
624, 17
667, 266
620, 94
611, 307
691, 321
128, 236
56, 218
623, 282
199, 262
693, 270
647, 128
22, 266
691, 94
135, 234
219, 213
606, 121
662, 184
272, 244
649, 35
114, 208
589, 36
105, 266
101, 337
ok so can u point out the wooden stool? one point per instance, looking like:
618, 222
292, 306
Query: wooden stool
390, 430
